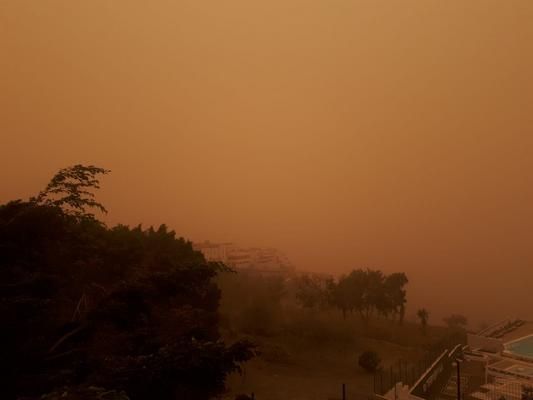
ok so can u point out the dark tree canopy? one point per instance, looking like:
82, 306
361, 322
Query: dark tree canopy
368, 292
70, 189
311, 291
127, 309
423, 316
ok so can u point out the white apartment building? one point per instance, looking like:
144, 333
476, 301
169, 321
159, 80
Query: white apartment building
256, 259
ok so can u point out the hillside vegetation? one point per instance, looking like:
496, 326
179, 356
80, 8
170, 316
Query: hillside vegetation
83, 305
307, 349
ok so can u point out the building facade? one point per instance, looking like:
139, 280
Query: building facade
507, 351
254, 259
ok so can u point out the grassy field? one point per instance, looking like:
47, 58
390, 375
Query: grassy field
313, 361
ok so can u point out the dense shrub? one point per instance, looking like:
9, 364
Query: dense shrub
369, 361
82, 305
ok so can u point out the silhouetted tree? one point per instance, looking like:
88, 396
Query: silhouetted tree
344, 295
369, 291
395, 294
456, 321
70, 189
423, 316
311, 291
84, 305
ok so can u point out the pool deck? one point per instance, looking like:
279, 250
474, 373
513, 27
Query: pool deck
506, 370
518, 333
517, 368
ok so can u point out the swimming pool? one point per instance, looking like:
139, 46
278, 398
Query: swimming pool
522, 347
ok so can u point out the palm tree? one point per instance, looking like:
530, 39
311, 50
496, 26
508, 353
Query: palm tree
423, 316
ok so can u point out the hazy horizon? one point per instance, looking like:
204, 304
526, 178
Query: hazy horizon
393, 135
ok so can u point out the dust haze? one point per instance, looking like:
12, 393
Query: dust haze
348, 134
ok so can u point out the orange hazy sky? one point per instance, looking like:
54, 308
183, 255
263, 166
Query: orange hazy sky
348, 133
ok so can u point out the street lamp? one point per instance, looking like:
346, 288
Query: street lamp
457, 363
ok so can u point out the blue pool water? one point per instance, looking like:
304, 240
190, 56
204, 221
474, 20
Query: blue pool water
522, 347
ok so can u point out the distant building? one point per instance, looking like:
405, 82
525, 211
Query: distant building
213, 251
497, 364
253, 259
507, 350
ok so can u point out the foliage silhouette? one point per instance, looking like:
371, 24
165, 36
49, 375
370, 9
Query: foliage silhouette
368, 292
423, 316
70, 189
127, 309
369, 361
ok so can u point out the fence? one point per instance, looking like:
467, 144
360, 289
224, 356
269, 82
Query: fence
342, 395
419, 376
436, 377
406, 372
